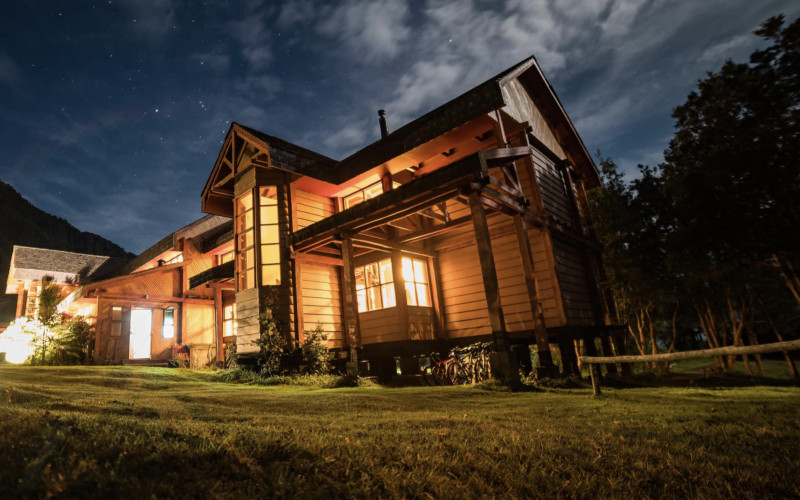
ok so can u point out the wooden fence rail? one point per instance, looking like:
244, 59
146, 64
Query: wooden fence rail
594, 361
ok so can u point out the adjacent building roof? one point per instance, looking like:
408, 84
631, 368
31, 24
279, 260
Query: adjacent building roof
63, 267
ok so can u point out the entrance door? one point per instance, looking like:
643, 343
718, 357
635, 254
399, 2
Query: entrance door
141, 329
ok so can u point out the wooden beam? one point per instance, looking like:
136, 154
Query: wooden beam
390, 245
436, 230
539, 328
488, 272
351, 303
400, 292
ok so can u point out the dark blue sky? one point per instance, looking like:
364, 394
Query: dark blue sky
112, 113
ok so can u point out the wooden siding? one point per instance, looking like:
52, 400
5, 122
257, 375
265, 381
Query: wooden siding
574, 285
195, 263
247, 327
321, 300
421, 323
311, 208
199, 326
521, 107
382, 325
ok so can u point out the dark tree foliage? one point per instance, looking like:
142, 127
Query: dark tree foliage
708, 241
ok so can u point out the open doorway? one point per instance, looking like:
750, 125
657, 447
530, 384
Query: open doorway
141, 330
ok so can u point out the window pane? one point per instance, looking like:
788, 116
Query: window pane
361, 296
227, 328
269, 233
245, 202
361, 280
270, 254
116, 313
374, 298
269, 214
422, 295
168, 332
246, 239
250, 260
269, 195
116, 329
373, 191
271, 275
353, 200
250, 278
387, 294
386, 271
411, 297
408, 270
373, 279
228, 312
420, 274
169, 316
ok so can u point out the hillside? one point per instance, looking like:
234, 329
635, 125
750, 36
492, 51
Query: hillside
21, 223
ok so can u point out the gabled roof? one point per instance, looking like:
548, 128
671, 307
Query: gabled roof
470, 105
63, 267
202, 227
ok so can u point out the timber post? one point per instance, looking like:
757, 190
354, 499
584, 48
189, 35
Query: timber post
546, 366
351, 304
503, 361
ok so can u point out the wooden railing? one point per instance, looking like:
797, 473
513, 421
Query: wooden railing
594, 361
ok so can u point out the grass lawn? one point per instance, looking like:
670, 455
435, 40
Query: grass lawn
141, 432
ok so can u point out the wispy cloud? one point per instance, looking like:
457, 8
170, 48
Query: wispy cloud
151, 20
10, 73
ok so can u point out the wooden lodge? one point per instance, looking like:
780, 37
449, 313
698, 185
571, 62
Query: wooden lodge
467, 224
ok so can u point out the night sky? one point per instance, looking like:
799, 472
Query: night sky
112, 113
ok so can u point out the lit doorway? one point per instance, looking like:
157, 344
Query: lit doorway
141, 329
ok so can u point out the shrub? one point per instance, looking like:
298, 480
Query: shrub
72, 342
271, 345
314, 352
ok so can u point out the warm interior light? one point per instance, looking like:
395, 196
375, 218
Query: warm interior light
18, 341
141, 329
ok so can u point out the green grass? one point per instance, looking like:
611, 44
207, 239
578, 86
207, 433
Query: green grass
140, 432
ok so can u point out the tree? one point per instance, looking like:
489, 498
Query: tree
731, 171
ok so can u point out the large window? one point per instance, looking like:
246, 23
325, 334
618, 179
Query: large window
270, 247
168, 328
415, 276
229, 320
375, 286
246, 262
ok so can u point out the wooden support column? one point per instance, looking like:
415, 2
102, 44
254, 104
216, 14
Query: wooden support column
489, 273
540, 330
22, 297
351, 304
218, 324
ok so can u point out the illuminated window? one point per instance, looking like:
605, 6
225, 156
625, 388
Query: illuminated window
415, 278
365, 194
168, 330
225, 257
375, 286
174, 260
270, 248
116, 321
245, 262
229, 320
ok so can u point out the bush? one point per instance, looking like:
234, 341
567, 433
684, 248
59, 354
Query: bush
314, 352
72, 342
271, 345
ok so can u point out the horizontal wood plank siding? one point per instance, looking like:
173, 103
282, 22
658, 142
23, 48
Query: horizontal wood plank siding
311, 208
382, 325
321, 299
247, 328
574, 285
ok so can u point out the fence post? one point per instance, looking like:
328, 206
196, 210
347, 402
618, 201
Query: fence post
594, 370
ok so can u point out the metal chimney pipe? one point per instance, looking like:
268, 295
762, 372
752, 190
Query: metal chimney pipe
382, 122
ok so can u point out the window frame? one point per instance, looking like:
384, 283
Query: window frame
366, 298
116, 322
164, 323
412, 299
